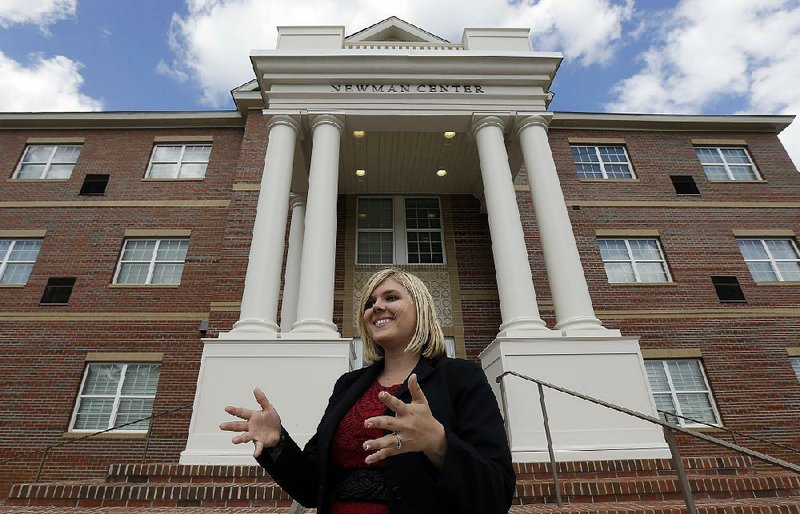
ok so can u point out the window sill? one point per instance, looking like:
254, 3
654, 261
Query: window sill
106, 435
704, 429
11, 286
647, 284
442, 265
794, 283
193, 179
609, 179
37, 180
737, 181
140, 286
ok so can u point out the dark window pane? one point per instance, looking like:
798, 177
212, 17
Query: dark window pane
58, 290
94, 185
728, 289
684, 185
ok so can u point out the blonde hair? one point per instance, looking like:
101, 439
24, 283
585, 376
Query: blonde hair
428, 339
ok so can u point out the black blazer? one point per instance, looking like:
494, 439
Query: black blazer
477, 476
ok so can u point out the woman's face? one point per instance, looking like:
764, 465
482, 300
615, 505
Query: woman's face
390, 316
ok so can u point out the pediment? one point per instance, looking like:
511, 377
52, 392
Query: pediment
394, 29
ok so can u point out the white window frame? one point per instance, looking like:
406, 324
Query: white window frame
48, 164
152, 260
400, 231
633, 261
674, 394
795, 362
117, 398
726, 164
357, 351
602, 163
179, 162
770, 259
5, 258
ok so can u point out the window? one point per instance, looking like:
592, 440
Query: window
679, 386
684, 185
58, 290
399, 230
47, 162
94, 185
726, 163
357, 357
178, 161
151, 261
634, 260
113, 394
771, 260
18, 257
796, 366
728, 289
602, 162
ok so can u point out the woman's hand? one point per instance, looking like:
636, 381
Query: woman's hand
414, 429
263, 427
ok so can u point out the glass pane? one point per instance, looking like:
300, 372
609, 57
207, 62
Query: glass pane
192, 170
375, 247
790, 271
138, 249
133, 273
762, 271
584, 154
5, 244
25, 250
686, 375
589, 171
618, 171
612, 154
141, 379
422, 213
796, 366
752, 249
375, 213
16, 274
651, 272
167, 274
696, 406
31, 171
165, 153
708, 155
102, 379
196, 153
38, 153
781, 249
735, 155
132, 409
716, 172
93, 413
67, 154
172, 250
645, 249
620, 272
60, 171
664, 402
656, 376
613, 250
743, 173
163, 171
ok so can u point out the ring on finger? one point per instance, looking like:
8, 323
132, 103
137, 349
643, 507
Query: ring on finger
399, 443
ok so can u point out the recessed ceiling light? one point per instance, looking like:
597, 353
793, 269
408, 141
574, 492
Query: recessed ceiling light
449, 135
359, 134
361, 173
442, 172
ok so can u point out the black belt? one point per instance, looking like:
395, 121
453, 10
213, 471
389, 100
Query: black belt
364, 485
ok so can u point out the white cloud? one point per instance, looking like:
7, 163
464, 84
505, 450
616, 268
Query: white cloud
747, 51
173, 72
47, 84
211, 42
37, 12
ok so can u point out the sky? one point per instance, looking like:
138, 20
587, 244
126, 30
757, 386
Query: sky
639, 56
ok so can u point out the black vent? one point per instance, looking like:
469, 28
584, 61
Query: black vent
728, 289
94, 185
684, 185
58, 290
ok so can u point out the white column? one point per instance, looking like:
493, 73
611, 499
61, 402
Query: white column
518, 306
262, 282
571, 299
317, 267
291, 277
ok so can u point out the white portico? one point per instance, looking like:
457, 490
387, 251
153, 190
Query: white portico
404, 87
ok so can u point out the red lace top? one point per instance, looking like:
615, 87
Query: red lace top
347, 450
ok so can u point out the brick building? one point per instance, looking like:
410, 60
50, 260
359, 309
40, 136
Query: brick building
156, 261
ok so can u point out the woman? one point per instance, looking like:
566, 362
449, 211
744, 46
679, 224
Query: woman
415, 432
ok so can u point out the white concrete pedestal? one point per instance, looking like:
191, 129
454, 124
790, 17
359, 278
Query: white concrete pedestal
297, 377
609, 369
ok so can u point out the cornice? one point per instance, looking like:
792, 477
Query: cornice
121, 120
673, 122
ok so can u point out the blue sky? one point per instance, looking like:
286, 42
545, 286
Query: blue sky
678, 56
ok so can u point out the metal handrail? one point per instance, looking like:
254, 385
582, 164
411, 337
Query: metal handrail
67, 442
733, 433
669, 435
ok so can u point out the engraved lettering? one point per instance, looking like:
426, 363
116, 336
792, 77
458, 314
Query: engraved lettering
348, 87
456, 89
479, 89
421, 88
444, 89
377, 89
432, 88
404, 88
362, 87
468, 89
392, 89
337, 87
